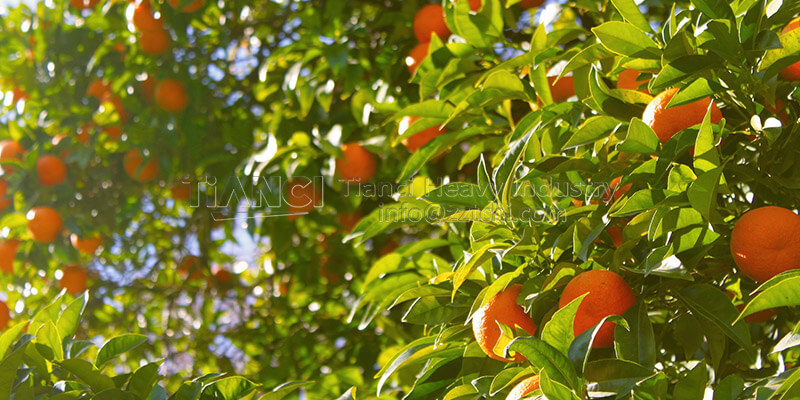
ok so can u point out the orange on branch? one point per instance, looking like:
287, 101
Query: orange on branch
301, 196
421, 138
429, 20
148, 87
501, 308
73, 279
194, 6
133, 166
348, 221
628, 79
528, 4
84, 4
181, 190
154, 42
44, 224
524, 387
475, 5
10, 150
171, 96
8, 253
113, 132
86, 246
562, 89
792, 72
51, 170
4, 316
608, 294
358, 164
143, 18
766, 242
188, 268
99, 89
417, 56
666, 122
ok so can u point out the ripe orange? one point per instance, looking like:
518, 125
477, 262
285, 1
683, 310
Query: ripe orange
349, 221
10, 150
8, 252
301, 195
222, 276
86, 246
132, 163
502, 308
99, 88
528, 4
181, 190
613, 193
475, 5
148, 87
779, 109
527, 385
83, 132
51, 170
615, 232
766, 241
19, 94
154, 42
73, 279
792, 72
171, 95
143, 18
417, 56
83, 4
4, 201
44, 224
4, 316
628, 79
666, 122
609, 294
191, 7
116, 101
563, 89
430, 19
421, 138
358, 164
189, 269
388, 247
113, 132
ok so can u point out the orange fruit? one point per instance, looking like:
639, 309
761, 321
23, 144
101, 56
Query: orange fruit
666, 122
608, 294
526, 386
358, 164
388, 247
475, 5
502, 308
628, 79
148, 87
86, 246
132, 163
4, 316
113, 132
348, 221
189, 8
44, 224
188, 268
10, 150
181, 190
51, 170
18, 94
83, 132
143, 18
779, 109
73, 279
154, 42
222, 275
792, 72
171, 95
99, 88
528, 4
417, 56
8, 252
421, 138
614, 193
3, 187
615, 232
766, 241
430, 19
561, 90
301, 195
4, 201
83, 4
116, 101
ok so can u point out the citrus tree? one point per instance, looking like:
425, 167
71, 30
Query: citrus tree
357, 199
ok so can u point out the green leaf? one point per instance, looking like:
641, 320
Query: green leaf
627, 40
711, 304
88, 374
640, 139
612, 369
48, 335
118, 345
9, 336
684, 68
9, 367
593, 129
284, 390
553, 389
638, 343
230, 388
71, 316
475, 260
703, 191
780, 291
504, 174
714, 9
791, 48
693, 385
631, 13
460, 194
144, 379
545, 357
559, 332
